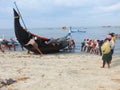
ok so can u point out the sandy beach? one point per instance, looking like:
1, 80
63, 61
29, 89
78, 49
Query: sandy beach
58, 72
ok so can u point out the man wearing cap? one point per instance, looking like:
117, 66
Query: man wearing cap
106, 51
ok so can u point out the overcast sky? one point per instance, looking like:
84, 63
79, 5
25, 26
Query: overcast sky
57, 13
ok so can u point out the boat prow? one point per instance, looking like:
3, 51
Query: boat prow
23, 36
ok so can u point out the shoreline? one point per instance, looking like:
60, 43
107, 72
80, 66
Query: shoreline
61, 71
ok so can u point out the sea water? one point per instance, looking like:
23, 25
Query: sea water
90, 33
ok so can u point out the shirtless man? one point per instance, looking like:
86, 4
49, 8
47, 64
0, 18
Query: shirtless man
34, 44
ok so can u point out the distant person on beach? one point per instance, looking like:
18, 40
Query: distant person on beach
100, 42
13, 43
5, 44
85, 45
34, 44
71, 44
112, 42
106, 51
82, 45
1, 45
22, 47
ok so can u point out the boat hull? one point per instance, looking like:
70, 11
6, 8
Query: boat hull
23, 36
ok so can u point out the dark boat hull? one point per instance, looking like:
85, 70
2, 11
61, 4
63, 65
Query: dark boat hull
23, 36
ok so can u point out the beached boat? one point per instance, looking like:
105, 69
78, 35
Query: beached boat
44, 44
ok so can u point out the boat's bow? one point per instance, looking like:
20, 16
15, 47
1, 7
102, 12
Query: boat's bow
21, 34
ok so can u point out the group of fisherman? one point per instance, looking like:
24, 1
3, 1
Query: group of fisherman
105, 48
92, 46
7, 45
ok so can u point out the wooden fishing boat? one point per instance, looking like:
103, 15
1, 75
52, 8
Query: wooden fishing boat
24, 36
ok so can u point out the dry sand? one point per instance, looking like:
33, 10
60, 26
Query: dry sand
58, 72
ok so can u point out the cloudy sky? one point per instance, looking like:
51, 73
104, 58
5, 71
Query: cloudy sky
57, 13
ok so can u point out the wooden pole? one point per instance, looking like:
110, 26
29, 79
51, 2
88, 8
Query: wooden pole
20, 16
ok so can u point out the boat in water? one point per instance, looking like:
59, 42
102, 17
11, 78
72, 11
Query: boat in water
46, 45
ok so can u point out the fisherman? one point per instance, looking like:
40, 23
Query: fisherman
71, 44
1, 45
34, 44
112, 42
13, 43
106, 51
